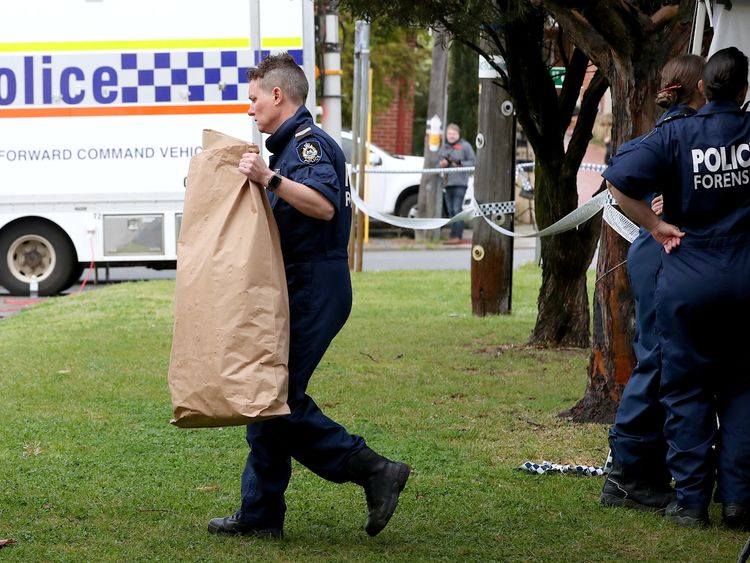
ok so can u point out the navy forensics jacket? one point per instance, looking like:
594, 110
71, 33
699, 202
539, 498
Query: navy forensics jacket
306, 154
703, 167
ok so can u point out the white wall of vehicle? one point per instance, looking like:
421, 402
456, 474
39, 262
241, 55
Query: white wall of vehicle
88, 217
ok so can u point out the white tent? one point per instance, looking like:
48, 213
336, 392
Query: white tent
730, 20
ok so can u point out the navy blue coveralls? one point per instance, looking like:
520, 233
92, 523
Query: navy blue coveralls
637, 437
704, 165
320, 299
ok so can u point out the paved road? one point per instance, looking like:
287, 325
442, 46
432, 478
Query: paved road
453, 259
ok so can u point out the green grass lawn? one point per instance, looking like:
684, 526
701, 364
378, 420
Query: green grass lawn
91, 470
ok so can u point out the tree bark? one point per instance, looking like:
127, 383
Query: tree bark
563, 318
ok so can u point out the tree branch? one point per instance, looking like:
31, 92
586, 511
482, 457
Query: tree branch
561, 47
575, 73
664, 15
586, 117
531, 85
581, 32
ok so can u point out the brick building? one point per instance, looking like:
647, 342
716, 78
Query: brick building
393, 128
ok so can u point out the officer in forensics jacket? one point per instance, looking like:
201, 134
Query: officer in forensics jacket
639, 477
307, 187
704, 165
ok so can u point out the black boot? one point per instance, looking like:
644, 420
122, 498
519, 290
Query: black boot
736, 516
233, 525
621, 489
383, 481
687, 517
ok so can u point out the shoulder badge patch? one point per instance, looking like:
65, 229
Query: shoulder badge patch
309, 152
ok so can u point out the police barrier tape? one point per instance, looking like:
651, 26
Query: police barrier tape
621, 224
550, 467
568, 469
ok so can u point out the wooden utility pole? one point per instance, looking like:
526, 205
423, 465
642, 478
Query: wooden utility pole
430, 200
494, 181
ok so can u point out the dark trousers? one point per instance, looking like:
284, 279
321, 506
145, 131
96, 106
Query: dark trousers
454, 202
637, 437
703, 285
320, 300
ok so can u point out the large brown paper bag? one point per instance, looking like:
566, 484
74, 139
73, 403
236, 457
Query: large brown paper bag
231, 329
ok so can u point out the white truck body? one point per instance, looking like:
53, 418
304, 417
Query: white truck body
102, 104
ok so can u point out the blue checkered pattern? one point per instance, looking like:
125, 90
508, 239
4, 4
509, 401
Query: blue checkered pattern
295, 53
184, 76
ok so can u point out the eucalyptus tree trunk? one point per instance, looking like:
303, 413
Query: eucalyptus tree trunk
563, 302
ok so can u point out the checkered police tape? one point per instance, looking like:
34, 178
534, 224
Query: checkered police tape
622, 225
524, 177
592, 167
408, 222
520, 173
603, 201
549, 467
501, 208
567, 469
587, 166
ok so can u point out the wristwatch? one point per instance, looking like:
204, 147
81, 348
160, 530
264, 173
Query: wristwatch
274, 181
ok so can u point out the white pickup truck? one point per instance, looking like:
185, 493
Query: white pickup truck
390, 193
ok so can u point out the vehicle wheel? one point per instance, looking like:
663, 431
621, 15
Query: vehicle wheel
35, 249
75, 274
408, 206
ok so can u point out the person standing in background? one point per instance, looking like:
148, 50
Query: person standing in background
454, 153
